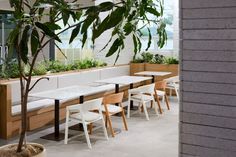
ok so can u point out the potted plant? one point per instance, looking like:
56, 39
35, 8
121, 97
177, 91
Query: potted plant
33, 32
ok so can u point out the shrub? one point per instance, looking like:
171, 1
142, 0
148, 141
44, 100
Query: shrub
158, 59
56, 66
171, 60
40, 69
9, 69
147, 57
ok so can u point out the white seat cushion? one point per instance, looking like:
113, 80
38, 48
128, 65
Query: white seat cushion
160, 93
88, 116
145, 97
32, 106
112, 108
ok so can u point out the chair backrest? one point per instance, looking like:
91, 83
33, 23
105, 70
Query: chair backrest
174, 79
113, 98
161, 85
94, 104
149, 89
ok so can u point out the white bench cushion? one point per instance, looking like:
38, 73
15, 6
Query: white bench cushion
32, 106
115, 71
80, 78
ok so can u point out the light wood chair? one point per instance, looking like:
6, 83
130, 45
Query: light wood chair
82, 113
160, 88
109, 108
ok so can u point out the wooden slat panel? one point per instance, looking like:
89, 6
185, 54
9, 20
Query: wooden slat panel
215, 110
207, 3
227, 100
209, 66
209, 120
226, 45
210, 34
208, 13
209, 142
221, 56
209, 77
227, 134
206, 152
209, 24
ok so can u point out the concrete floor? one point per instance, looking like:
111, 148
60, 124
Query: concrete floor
156, 137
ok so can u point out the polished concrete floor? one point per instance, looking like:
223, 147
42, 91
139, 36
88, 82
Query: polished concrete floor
156, 137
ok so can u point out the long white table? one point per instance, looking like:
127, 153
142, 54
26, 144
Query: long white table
124, 80
68, 93
153, 74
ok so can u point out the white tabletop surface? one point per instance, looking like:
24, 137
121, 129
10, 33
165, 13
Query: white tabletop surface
71, 92
124, 80
153, 73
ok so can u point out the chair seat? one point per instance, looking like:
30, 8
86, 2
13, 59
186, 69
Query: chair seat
88, 117
160, 93
144, 96
112, 109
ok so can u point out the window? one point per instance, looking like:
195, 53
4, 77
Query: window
72, 51
168, 18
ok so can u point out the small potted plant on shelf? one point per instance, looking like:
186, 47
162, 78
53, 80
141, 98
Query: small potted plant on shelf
36, 23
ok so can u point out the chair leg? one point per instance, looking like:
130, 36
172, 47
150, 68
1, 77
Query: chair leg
170, 92
110, 126
177, 93
104, 129
87, 136
90, 128
145, 110
128, 110
66, 128
151, 104
167, 103
155, 107
106, 121
159, 104
124, 119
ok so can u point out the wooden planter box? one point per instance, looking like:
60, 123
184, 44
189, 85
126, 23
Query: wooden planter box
173, 68
136, 67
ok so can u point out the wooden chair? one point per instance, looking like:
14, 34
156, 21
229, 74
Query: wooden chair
160, 88
109, 108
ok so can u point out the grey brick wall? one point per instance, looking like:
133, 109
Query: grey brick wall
208, 78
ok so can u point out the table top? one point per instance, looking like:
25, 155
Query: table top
153, 73
124, 80
66, 93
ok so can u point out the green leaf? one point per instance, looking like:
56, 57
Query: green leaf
34, 41
110, 21
135, 45
46, 30
74, 33
105, 6
149, 39
116, 44
139, 44
24, 44
85, 36
153, 11
87, 23
65, 17
52, 26
128, 28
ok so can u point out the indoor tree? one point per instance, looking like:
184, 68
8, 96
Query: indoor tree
36, 23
